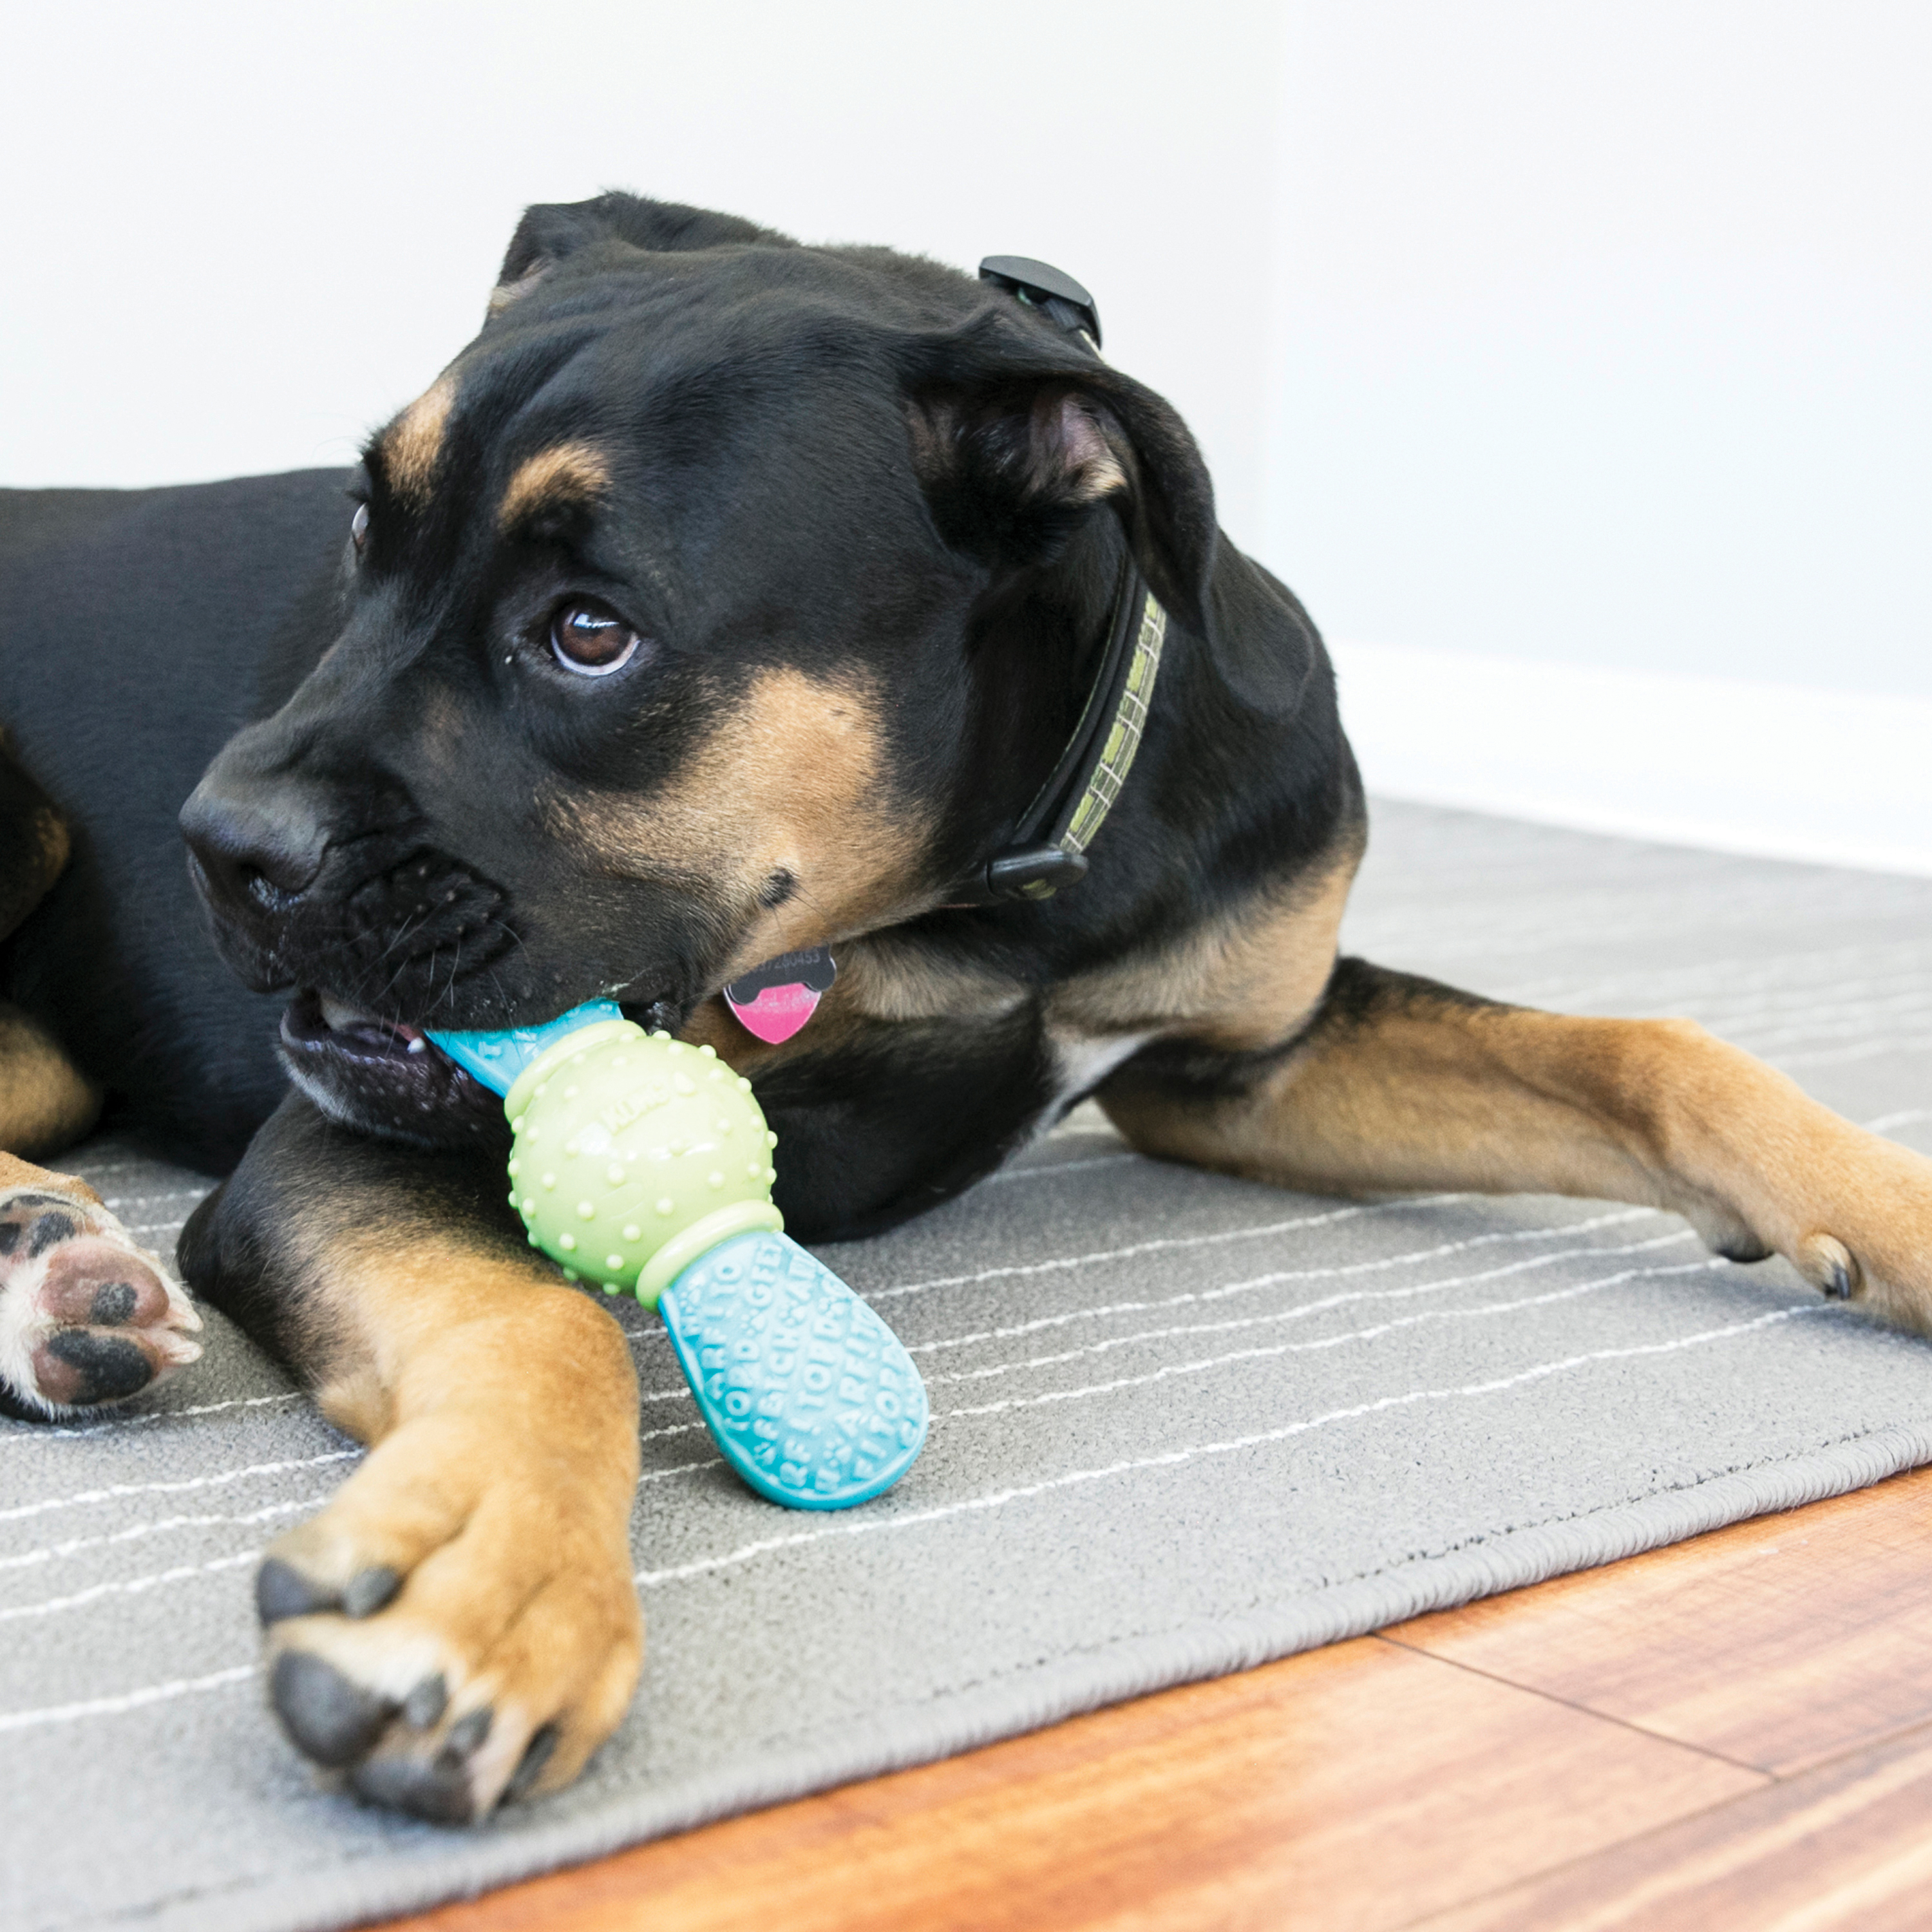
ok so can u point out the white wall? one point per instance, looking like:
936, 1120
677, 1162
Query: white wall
237, 236
1602, 333
1841, 777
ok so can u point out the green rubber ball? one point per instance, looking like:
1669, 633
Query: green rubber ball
634, 1155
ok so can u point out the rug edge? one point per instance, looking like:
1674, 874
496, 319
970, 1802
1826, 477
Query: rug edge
1133, 1667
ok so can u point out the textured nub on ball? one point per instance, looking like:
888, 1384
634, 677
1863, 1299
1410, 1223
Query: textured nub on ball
643, 1158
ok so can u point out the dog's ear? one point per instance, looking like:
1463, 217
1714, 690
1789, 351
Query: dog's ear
551, 231
1018, 442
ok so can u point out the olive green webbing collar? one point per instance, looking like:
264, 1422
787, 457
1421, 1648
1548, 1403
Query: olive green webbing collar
1124, 735
1048, 849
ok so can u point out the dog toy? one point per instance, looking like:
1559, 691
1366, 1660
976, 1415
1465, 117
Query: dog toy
645, 1165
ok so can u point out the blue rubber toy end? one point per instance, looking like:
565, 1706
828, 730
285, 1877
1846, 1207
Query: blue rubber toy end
813, 1400
496, 1059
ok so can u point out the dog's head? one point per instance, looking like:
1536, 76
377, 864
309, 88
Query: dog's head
723, 597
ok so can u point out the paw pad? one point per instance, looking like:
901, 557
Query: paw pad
331, 1719
86, 1317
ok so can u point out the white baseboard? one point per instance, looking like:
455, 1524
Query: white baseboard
1840, 777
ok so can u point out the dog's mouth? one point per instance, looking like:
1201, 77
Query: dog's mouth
315, 1016
383, 1076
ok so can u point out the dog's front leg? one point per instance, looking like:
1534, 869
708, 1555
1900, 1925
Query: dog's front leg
459, 1624
1399, 1083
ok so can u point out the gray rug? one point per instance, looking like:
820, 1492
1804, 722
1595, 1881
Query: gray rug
1182, 1424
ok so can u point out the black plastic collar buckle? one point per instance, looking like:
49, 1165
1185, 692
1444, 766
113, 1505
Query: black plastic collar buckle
1040, 285
1034, 871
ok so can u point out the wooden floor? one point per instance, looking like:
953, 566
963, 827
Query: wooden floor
1733, 1733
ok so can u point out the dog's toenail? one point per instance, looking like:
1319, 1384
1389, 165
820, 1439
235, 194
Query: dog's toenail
1833, 1267
370, 1589
426, 1703
465, 1735
438, 1792
109, 1367
112, 1304
529, 1767
282, 1591
49, 1229
332, 1720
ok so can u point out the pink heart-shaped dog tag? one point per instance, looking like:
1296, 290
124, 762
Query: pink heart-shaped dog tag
774, 1000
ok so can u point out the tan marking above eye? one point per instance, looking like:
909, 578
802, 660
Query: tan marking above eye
412, 443
570, 472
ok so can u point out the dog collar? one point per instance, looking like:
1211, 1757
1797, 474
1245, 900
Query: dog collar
1048, 849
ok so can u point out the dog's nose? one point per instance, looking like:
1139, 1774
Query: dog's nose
254, 845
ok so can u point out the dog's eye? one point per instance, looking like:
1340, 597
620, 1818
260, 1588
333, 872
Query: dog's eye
358, 526
592, 639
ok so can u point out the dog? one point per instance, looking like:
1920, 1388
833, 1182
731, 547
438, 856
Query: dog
724, 598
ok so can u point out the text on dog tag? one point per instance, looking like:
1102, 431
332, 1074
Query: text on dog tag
774, 1000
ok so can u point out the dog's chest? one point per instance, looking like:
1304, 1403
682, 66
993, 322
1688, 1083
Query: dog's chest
890, 980
1081, 1061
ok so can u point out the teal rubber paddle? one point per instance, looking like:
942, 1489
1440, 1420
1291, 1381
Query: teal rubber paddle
645, 1165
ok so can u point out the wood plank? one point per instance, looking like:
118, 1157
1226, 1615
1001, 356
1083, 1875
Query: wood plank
1776, 1643
1842, 1848
1380, 1783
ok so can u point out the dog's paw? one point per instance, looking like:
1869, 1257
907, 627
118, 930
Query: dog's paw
1873, 1244
87, 1317
459, 1626
1856, 1222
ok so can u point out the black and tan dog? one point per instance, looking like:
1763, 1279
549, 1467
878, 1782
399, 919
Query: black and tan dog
724, 597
